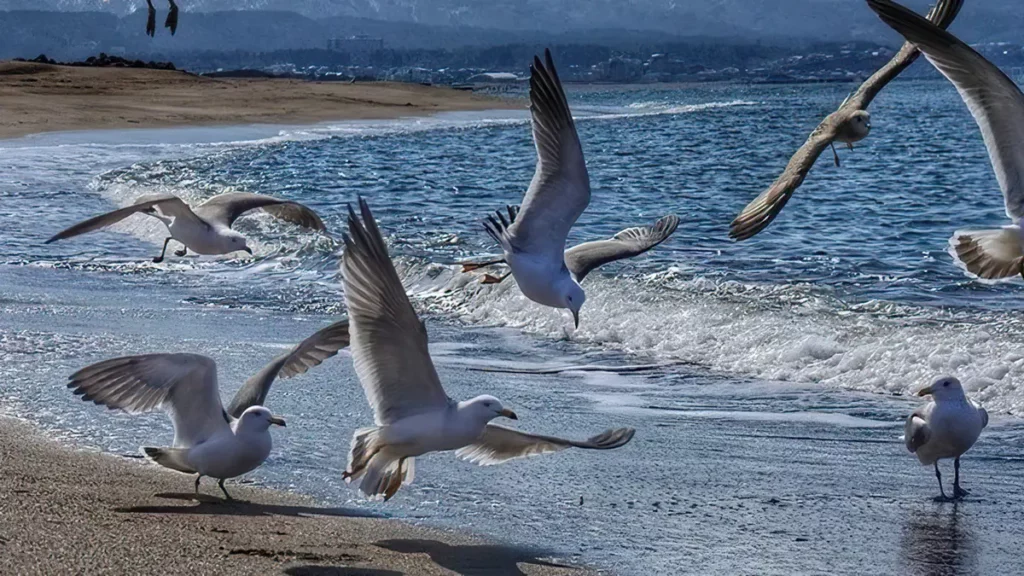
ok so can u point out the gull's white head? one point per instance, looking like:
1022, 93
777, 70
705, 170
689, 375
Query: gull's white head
944, 389
487, 408
257, 419
236, 242
573, 298
860, 123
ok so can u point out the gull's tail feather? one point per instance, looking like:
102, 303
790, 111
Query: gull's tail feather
385, 474
365, 446
994, 254
173, 458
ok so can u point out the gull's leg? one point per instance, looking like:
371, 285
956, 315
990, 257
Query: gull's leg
943, 497
198, 478
160, 258
488, 279
223, 489
470, 266
182, 252
958, 492
835, 155
849, 145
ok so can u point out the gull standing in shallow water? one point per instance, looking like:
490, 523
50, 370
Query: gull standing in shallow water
850, 123
412, 413
997, 105
584, 258
208, 440
946, 427
534, 243
207, 228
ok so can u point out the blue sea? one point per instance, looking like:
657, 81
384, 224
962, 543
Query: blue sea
819, 329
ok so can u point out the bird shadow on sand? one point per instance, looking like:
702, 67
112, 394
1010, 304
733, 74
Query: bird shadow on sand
338, 571
205, 504
471, 560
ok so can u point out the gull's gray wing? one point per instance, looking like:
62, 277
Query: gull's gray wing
167, 204
942, 14
584, 258
226, 208
498, 444
172, 18
993, 99
762, 210
915, 430
560, 189
185, 385
389, 343
305, 355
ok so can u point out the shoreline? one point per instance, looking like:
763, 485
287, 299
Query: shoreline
41, 98
67, 509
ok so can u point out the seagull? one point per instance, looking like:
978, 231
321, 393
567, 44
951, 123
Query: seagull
412, 412
151, 19
172, 18
850, 123
584, 258
206, 229
208, 440
946, 427
534, 243
997, 105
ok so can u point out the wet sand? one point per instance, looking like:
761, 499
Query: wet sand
65, 511
44, 98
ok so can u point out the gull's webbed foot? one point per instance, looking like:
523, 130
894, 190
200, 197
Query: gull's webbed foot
181, 252
959, 493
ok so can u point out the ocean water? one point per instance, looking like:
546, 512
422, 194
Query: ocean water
815, 327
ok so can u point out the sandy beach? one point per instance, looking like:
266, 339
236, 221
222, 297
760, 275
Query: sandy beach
69, 511
45, 98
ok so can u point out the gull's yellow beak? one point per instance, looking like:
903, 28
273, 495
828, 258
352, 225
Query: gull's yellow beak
277, 420
925, 391
247, 249
508, 414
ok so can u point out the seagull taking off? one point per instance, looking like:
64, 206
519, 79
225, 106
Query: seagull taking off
208, 440
412, 412
534, 244
206, 229
997, 105
946, 427
849, 124
584, 258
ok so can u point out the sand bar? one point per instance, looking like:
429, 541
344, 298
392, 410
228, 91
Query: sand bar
45, 98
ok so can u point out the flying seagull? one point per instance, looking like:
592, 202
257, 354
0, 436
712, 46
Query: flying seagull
946, 427
534, 244
850, 123
412, 413
172, 18
584, 258
997, 105
207, 228
151, 19
208, 440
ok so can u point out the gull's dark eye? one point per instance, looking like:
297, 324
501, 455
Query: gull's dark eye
945, 384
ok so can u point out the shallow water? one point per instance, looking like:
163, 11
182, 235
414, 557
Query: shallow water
792, 344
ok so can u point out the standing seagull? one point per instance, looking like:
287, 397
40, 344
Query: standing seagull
998, 107
412, 413
207, 229
850, 123
534, 244
208, 440
172, 18
946, 427
151, 19
584, 258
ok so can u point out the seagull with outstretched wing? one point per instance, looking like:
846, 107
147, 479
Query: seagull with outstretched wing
849, 124
205, 229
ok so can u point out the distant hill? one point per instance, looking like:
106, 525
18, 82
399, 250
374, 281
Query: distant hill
820, 20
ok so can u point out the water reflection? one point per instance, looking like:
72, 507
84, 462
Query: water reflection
939, 541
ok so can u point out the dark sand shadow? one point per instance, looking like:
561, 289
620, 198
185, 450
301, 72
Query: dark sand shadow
336, 571
480, 560
939, 542
205, 504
